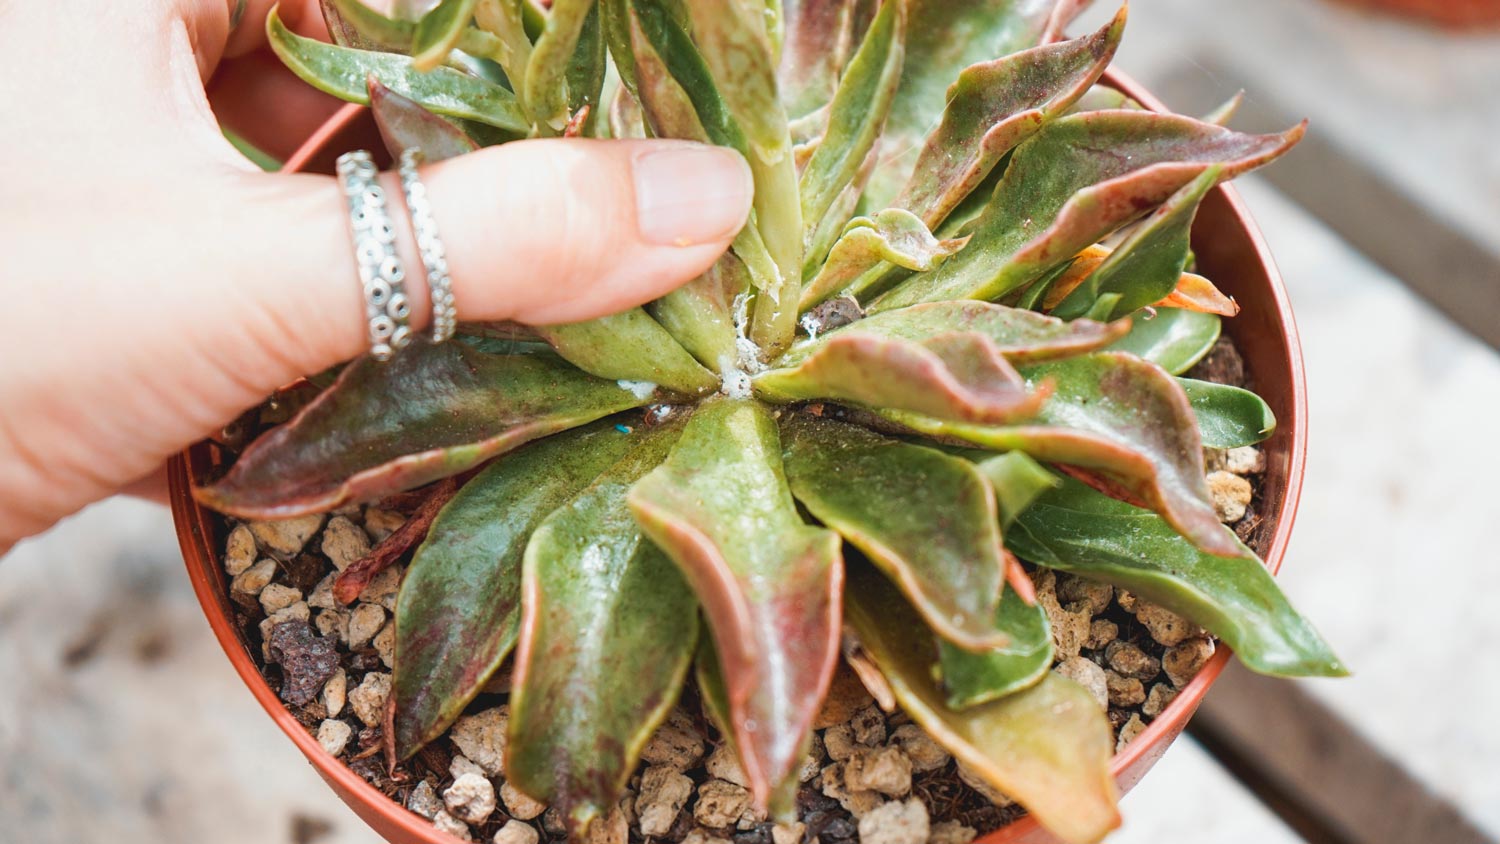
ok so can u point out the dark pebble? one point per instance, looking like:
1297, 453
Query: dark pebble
307, 660
759, 835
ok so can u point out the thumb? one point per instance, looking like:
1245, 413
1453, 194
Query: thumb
539, 232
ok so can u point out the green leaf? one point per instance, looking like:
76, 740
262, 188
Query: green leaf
1074, 182
1079, 530
1228, 417
926, 519
1125, 421
654, 25
429, 412
857, 114
946, 37
1171, 338
958, 376
586, 72
354, 24
996, 105
404, 125
438, 31
1022, 336
871, 245
459, 609
769, 584
1047, 747
505, 19
700, 314
607, 635
970, 678
1147, 266
547, 93
630, 346
732, 39
1017, 479
343, 72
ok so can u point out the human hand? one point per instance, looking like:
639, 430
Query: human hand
157, 284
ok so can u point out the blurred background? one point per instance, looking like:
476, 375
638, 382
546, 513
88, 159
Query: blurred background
121, 721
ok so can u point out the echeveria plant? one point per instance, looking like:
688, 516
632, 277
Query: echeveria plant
916, 365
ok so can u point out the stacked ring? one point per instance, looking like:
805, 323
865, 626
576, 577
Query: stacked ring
429, 246
387, 310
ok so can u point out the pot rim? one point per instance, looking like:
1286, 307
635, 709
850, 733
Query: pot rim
194, 535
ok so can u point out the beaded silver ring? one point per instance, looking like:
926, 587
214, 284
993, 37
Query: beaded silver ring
429, 246
387, 309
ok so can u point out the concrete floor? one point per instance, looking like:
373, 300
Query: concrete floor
120, 720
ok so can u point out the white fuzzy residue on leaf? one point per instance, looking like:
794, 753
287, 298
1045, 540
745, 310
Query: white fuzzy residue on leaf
640, 389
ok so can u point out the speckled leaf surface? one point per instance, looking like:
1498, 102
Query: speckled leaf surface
817, 42
857, 113
1047, 747
1148, 265
1079, 530
459, 610
892, 238
1075, 181
608, 631
1018, 481
959, 376
995, 105
925, 518
404, 125
629, 346
946, 37
1171, 338
1022, 336
438, 32
429, 412
343, 72
732, 39
1228, 417
1129, 424
971, 678
770, 584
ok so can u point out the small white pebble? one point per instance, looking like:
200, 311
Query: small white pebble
333, 736
461, 765
471, 798
664, 791
1129, 730
1245, 460
380, 524
519, 804
516, 832
278, 597
364, 622
252, 580
896, 822
1088, 674
385, 644
344, 542
924, 753
335, 691
239, 550
368, 698
1230, 495
724, 764
481, 737
424, 800
285, 538
445, 822
720, 803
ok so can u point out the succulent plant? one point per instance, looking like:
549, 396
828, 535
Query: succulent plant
917, 367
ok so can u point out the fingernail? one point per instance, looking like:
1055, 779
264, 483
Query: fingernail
687, 194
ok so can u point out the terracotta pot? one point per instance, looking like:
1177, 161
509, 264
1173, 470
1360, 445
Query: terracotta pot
1229, 249
1455, 14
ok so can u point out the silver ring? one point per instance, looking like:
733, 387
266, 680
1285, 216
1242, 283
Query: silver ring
429, 246
380, 273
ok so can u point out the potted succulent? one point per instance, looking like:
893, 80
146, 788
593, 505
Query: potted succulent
917, 455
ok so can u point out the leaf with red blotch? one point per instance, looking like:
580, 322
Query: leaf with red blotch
430, 412
1048, 747
608, 630
404, 125
1124, 421
770, 584
1074, 182
459, 609
995, 105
